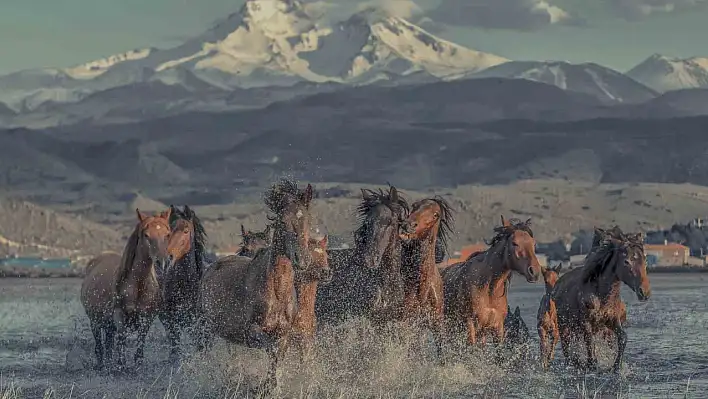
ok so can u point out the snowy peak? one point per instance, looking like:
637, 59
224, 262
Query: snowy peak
663, 73
603, 83
97, 67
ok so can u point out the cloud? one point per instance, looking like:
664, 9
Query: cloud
525, 15
639, 9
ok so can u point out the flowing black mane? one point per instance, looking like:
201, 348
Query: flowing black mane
200, 235
445, 231
280, 195
371, 201
504, 232
605, 242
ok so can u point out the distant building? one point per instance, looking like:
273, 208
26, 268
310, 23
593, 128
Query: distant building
667, 254
463, 254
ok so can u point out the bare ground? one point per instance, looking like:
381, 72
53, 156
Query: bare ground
556, 207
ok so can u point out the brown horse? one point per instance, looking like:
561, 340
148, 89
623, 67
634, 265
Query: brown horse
547, 320
476, 290
254, 301
186, 249
367, 279
252, 241
305, 324
588, 299
122, 295
430, 219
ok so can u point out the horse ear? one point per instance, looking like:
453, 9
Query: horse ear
517, 312
141, 216
393, 194
505, 222
323, 241
166, 214
309, 194
365, 194
188, 212
528, 221
243, 231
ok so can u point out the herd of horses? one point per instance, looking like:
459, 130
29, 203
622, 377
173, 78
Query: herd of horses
284, 282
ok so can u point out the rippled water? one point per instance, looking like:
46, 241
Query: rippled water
667, 352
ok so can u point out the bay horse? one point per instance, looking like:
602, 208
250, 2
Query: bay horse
367, 279
588, 299
252, 241
476, 289
547, 318
186, 250
430, 220
124, 294
254, 302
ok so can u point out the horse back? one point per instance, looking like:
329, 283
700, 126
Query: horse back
98, 289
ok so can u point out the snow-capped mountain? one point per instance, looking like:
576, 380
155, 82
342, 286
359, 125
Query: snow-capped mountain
663, 73
266, 43
604, 83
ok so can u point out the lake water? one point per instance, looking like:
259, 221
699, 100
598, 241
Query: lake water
41, 320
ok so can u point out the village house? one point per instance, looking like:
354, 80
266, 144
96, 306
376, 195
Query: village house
667, 254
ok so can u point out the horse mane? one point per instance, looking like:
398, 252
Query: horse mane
503, 232
200, 238
599, 257
445, 229
280, 195
129, 253
371, 201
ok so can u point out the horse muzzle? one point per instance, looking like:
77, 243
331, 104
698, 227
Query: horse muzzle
643, 295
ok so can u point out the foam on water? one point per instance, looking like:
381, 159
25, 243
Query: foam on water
42, 346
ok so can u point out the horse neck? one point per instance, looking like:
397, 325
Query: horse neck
499, 267
141, 269
425, 252
186, 271
608, 284
391, 262
277, 247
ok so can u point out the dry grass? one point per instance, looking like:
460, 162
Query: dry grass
556, 207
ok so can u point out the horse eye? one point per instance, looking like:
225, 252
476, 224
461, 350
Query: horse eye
437, 215
186, 231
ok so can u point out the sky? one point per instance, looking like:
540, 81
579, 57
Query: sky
615, 33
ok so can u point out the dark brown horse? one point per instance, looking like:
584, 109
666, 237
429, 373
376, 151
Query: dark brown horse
547, 318
476, 290
254, 301
252, 241
430, 220
186, 250
588, 299
367, 279
125, 294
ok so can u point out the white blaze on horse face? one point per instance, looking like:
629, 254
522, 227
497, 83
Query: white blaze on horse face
299, 214
319, 250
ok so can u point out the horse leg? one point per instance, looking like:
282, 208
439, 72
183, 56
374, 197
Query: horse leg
98, 338
173, 336
591, 361
621, 345
143, 329
471, 332
497, 334
110, 330
565, 346
438, 329
276, 353
544, 344
555, 336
